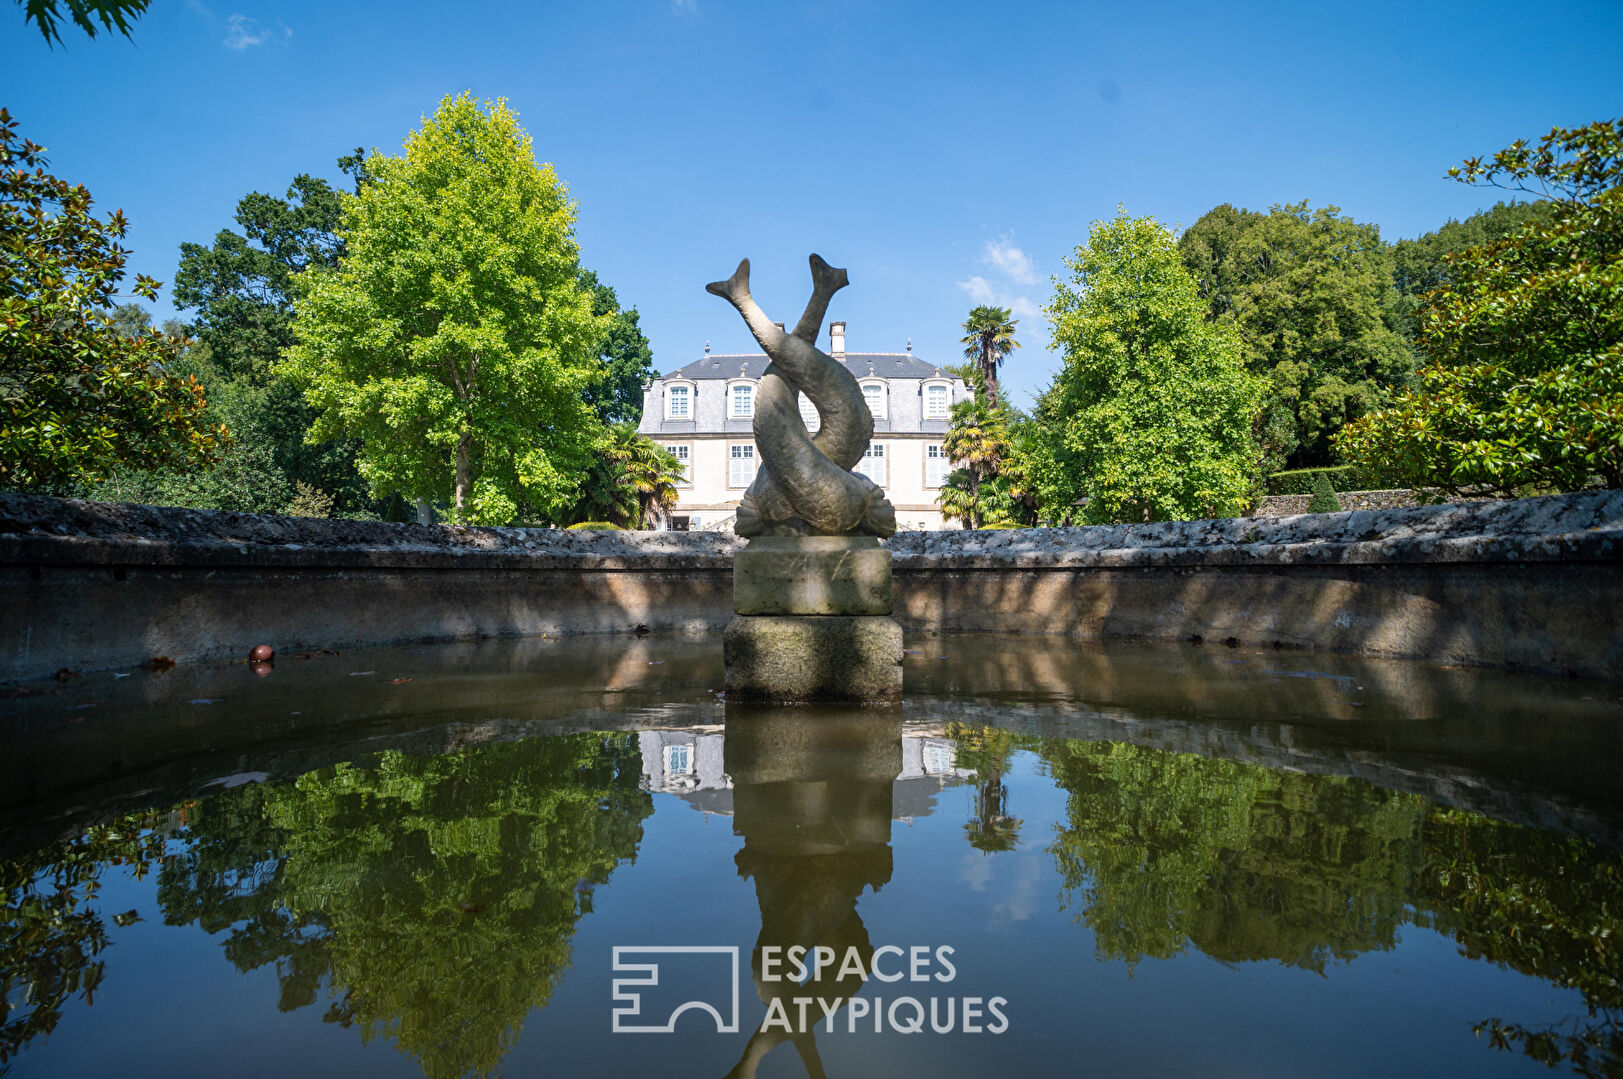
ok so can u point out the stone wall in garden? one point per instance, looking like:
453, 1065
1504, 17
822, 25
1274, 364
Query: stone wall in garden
1531, 584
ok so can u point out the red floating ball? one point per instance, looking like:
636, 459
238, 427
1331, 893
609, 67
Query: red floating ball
261, 653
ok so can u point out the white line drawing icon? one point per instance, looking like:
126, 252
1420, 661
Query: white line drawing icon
648, 975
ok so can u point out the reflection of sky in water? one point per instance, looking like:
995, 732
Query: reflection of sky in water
1144, 909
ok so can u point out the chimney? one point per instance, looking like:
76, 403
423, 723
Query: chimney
836, 340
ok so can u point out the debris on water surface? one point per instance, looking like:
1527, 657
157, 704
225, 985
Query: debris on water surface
358, 674
63, 674
398, 681
159, 664
239, 779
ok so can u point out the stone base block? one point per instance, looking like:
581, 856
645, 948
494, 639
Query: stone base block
819, 575
826, 658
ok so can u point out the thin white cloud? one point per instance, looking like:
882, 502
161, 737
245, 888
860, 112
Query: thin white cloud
685, 7
1012, 262
980, 289
243, 33
985, 293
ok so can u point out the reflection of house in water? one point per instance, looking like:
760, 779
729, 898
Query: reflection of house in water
687, 762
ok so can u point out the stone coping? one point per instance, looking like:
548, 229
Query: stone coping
45, 531
1586, 527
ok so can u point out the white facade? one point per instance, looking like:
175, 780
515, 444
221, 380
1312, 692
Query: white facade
704, 414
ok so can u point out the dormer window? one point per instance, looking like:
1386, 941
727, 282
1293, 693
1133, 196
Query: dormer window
874, 394
679, 401
937, 400
741, 401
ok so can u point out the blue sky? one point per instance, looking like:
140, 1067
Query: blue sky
946, 153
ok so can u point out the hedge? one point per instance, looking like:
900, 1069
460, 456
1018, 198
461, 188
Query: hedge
1299, 481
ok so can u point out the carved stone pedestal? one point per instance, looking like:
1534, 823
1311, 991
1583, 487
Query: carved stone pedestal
813, 622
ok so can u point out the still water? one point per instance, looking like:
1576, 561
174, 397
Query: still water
1054, 858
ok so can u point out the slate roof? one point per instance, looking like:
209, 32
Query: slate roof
752, 365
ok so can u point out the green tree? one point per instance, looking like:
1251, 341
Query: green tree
1523, 384
1153, 410
628, 360
1424, 263
118, 15
78, 398
241, 289
455, 339
1310, 293
631, 479
988, 339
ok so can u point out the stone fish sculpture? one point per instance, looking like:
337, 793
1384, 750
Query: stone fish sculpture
805, 486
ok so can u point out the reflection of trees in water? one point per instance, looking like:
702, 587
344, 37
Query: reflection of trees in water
1163, 850
987, 752
434, 898
51, 936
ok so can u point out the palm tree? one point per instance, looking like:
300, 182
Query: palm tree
957, 498
988, 339
977, 441
631, 479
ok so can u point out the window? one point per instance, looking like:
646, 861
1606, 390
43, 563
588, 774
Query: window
743, 398
678, 760
936, 465
681, 453
808, 414
874, 394
678, 402
937, 402
938, 758
872, 464
741, 466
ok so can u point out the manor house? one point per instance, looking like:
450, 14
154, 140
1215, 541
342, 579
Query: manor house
704, 412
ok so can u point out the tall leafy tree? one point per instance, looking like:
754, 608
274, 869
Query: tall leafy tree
628, 360
1523, 385
988, 339
79, 398
455, 339
1310, 294
1154, 405
241, 290
1426, 263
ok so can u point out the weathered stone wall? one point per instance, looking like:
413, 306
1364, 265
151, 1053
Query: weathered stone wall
1530, 584
1533, 584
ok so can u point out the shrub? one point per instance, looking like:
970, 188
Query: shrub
1324, 498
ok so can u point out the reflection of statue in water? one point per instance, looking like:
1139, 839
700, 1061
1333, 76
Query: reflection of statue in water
813, 803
